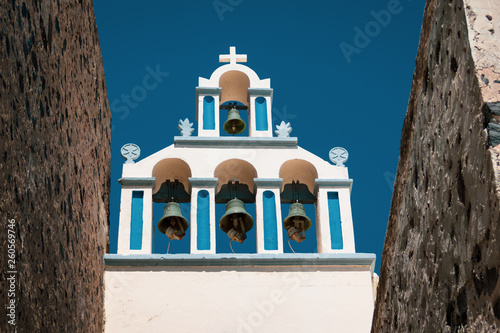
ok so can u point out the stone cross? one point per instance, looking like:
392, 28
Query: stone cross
232, 57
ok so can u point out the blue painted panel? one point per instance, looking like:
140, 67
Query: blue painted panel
261, 114
208, 113
335, 222
203, 220
136, 220
270, 221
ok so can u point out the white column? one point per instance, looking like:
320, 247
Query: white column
273, 185
129, 185
197, 185
254, 93
201, 93
343, 188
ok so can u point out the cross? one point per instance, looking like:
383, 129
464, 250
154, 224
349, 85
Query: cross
232, 57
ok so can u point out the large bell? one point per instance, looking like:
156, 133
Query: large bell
236, 221
173, 224
234, 124
297, 222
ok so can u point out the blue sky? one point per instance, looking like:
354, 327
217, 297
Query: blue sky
341, 74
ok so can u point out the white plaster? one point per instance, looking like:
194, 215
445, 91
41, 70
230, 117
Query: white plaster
123, 244
267, 161
205, 132
251, 118
323, 220
239, 299
232, 57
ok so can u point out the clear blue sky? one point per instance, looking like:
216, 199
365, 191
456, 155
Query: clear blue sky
336, 85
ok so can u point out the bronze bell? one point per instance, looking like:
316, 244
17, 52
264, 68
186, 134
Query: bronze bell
236, 221
173, 224
234, 124
297, 222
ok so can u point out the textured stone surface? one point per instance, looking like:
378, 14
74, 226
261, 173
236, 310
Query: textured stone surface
54, 164
441, 259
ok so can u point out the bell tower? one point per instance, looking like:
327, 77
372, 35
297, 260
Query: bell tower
234, 83
235, 162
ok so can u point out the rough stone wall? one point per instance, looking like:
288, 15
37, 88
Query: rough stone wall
441, 259
54, 165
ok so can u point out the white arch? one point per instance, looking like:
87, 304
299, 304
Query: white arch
255, 81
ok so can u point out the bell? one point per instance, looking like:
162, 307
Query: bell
173, 224
234, 124
297, 222
236, 221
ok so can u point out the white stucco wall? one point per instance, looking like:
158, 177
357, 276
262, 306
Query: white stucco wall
239, 299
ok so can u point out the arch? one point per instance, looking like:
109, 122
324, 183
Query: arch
235, 169
300, 170
171, 169
234, 85
254, 78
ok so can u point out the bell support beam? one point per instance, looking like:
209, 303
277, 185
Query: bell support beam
135, 229
202, 221
335, 233
261, 103
269, 230
207, 111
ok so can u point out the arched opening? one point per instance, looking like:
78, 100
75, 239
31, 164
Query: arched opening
224, 114
171, 169
235, 181
208, 113
300, 170
298, 186
237, 169
261, 114
234, 85
172, 181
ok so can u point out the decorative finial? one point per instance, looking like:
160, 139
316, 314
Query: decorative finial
130, 152
185, 127
339, 156
283, 130
232, 57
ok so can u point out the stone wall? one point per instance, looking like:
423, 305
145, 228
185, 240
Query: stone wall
54, 165
441, 259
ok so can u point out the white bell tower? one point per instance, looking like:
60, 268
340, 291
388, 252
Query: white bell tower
330, 289
234, 82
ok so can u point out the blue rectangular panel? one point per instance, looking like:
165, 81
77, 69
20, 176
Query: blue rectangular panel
335, 222
261, 114
136, 220
208, 113
203, 220
270, 221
